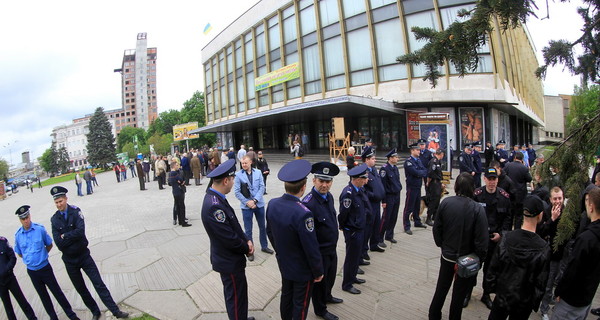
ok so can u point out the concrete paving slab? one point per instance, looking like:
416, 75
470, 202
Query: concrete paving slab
130, 260
165, 305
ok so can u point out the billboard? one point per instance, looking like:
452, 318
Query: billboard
471, 126
281, 75
180, 131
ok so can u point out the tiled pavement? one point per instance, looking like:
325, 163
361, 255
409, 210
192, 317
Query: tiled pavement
163, 270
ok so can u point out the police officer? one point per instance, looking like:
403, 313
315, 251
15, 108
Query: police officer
425, 156
291, 230
434, 185
489, 153
320, 203
515, 150
500, 154
68, 231
354, 208
415, 172
496, 203
390, 176
477, 165
465, 160
375, 193
32, 243
8, 283
229, 245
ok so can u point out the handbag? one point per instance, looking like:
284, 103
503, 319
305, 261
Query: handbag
245, 190
468, 265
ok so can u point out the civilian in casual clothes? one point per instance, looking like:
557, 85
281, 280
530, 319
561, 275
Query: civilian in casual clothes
350, 161
520, 175
263, 166
140, 173
186, 168
78, 182
161, 172
117, 170
87, 176
196, 167
146, 168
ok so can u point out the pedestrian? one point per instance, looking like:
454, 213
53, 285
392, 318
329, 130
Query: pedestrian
460, 229
581, 277
263, 166
305, 143
390, 177
178, 188
321, 204
354, 207
132, 168
140, 174
9, 283
196, 167
488, 153
532, 154
477, 165
521, 176
117, 170
350, 162
78, 183
519, 267
228, 243
32, 243
146, 167
94, 180
123, 170
186, 167
434, 185
414, 172
39, 183
240, 154
291, 229
596, 170
500, 154
249, 189
424, 154
68, 231
296, 150
252, 156
375, 193
515, 150
231, 153
87, 176
465, 160
525, 155
496, 203
504, 181
161, 171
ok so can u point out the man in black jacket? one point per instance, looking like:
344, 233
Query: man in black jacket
68, 231
520, 175
581, 277
8, 283
519, 269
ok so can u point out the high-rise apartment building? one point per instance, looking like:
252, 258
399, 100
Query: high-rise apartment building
138, 86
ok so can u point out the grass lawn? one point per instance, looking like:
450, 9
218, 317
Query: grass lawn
144, 317
65, 178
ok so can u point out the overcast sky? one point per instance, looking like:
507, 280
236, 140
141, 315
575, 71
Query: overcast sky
57, 57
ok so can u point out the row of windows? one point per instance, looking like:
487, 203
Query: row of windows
73, 132
554, 134
230, 74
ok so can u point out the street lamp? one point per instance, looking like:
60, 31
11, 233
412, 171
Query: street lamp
8, 145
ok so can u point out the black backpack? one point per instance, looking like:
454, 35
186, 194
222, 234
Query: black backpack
300, 151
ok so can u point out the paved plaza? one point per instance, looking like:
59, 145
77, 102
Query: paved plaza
154, 267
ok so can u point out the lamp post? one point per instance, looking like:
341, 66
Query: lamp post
8, 145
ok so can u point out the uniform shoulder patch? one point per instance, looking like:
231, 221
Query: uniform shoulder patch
408, 163
309, 223
478, 191
460, 158
382, 172
347, 202
219, 215
307, 198
504, 193
384, 165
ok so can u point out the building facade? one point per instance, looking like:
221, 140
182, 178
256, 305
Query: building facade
288, 67
138, 86
556, 111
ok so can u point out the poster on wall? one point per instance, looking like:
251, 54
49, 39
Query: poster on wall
412, 127
436, 135
451, 125
471, 126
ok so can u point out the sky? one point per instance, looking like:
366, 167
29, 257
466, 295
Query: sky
57, 57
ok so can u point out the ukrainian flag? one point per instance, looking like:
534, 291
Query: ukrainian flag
207, 28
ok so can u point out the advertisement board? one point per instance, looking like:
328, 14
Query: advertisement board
281, 75
471, 126
412, 127
180, 131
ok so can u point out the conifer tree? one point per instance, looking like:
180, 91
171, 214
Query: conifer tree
101, 142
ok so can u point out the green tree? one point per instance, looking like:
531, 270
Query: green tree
3, 169
164, 123
62, 160
49, 159
129, 134
193, 110
101, 142
161, 143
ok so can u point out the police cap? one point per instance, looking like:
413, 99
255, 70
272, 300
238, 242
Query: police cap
325, 170
532, 206
226, 169
392, 153
421, 141
501, 142
359, 171
23, 212
467, 146
414, 146
367, 153
58, 192
295, 170
477, 144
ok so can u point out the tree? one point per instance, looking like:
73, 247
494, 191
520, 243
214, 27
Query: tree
128, 134
3, 169
193, 110
62, 160
164, 123
161, 143
55, 161
101, 142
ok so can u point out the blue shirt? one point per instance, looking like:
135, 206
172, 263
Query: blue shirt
31, 244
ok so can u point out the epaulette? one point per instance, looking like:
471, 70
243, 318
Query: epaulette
74, 207
215, 200
307, 198
347, 189
478, 191
504, 193
384, 165
303, 207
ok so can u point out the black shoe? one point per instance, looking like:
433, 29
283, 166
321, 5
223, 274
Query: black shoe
121, 315
360, 271
352, 290
328, 316
485, 298
366, 256
96, 317
364, 263
466, 302
186, 225
392, 240
429, 223
595, 311
174, 222
408, 232
378, 249
382, 245
420, 226
267, 250
360, 281
334, 300
251, 257
251, 318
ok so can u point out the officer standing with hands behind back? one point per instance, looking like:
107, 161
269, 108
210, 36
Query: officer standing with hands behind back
8, 282
415, 172
390, 177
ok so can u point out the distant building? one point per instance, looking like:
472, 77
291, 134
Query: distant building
138, 87
556, 110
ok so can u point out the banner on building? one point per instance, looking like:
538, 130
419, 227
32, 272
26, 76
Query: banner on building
281, 75
180, 131
471, 126
412, 127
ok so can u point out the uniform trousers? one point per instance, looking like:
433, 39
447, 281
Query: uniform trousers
12, 285
446, 276
235, 289
322, 290
412, 205
499, 313
295, 299
354, 243
374, 237
435, 195
85, 262
179, 208
389, 218
367, 233
45, 278
477, 180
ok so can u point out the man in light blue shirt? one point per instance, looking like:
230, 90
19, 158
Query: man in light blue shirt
32, 243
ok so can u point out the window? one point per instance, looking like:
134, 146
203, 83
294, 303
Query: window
334, 63
389, 43
311, 70
289, 25
248, 48
308, 22
353, 7
359, 57
328, 11
423, 19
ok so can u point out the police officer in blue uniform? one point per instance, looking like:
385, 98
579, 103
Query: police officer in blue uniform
32, 243
424, 154
354, 208
229, 245
477, 165
320, 202
291, 230
434, 185
465, 161
9, 283
68, 231
415, 172
511, 156
390, 177
375, 193
500, 154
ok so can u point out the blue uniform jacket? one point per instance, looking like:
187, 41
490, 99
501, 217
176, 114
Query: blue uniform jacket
291, 230
228, 242
465, 162
326, 225
8, 260
425, 156
415, 172
501, 154
374, 188
354, 208
73, 242
390, 177
257, 188
477, 165
31, 244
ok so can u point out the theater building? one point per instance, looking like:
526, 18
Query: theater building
288, 67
